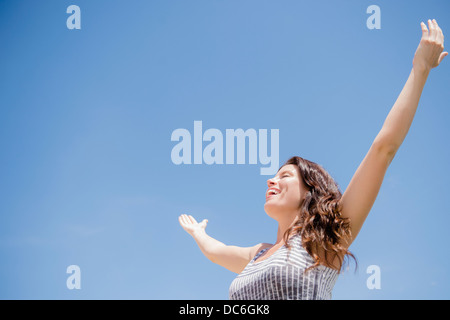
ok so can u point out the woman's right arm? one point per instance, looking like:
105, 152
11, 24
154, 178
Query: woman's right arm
231, 257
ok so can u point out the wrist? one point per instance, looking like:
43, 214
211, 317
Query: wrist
196, 234
421, 69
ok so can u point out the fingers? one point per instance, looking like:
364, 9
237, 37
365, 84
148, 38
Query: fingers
182, 219
439, 36
433, 32
187, 219
192, 220
424, 30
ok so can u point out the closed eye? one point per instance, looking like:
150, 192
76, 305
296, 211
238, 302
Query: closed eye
285, 174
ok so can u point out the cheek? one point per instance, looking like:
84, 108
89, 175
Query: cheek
294, 195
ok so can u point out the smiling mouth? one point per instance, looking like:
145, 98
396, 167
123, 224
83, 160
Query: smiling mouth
271, 193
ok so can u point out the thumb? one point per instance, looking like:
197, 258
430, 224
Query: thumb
204, 223
442, 56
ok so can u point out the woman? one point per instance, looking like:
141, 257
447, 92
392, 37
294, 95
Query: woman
316, 223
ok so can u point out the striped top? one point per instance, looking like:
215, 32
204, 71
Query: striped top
281, 277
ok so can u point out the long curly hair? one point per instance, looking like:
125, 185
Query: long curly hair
320, 224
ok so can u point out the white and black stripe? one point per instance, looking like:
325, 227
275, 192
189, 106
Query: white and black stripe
281, 277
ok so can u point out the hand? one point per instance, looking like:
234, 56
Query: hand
429, 53
190, 225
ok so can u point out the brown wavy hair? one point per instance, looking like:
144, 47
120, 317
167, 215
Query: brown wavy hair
320, 224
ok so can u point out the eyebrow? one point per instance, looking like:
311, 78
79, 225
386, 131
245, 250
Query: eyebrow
284, 171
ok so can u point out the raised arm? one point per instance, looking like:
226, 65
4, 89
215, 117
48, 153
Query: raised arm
360, 195
231, 257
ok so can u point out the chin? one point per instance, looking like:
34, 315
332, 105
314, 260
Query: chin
276, 210
272, 210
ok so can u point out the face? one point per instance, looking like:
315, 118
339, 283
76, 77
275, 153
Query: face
284, 193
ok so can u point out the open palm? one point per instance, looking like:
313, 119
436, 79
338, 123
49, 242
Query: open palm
190, 225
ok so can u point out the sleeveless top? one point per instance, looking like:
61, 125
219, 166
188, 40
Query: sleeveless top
281, 277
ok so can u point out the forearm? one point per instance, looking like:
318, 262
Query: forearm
399, 119
208, 245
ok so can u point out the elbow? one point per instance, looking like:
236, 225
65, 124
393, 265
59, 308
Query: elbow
386, 149
212, 258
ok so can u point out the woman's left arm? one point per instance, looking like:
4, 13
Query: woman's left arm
360, 195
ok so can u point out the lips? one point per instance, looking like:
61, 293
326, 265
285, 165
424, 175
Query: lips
272, 192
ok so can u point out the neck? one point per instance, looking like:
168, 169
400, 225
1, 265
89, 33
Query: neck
283, 226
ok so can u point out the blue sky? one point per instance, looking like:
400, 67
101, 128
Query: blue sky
86, 118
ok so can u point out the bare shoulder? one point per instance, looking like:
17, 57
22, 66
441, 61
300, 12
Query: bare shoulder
257, 248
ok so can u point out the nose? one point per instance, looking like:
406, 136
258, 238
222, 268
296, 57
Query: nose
271, 182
